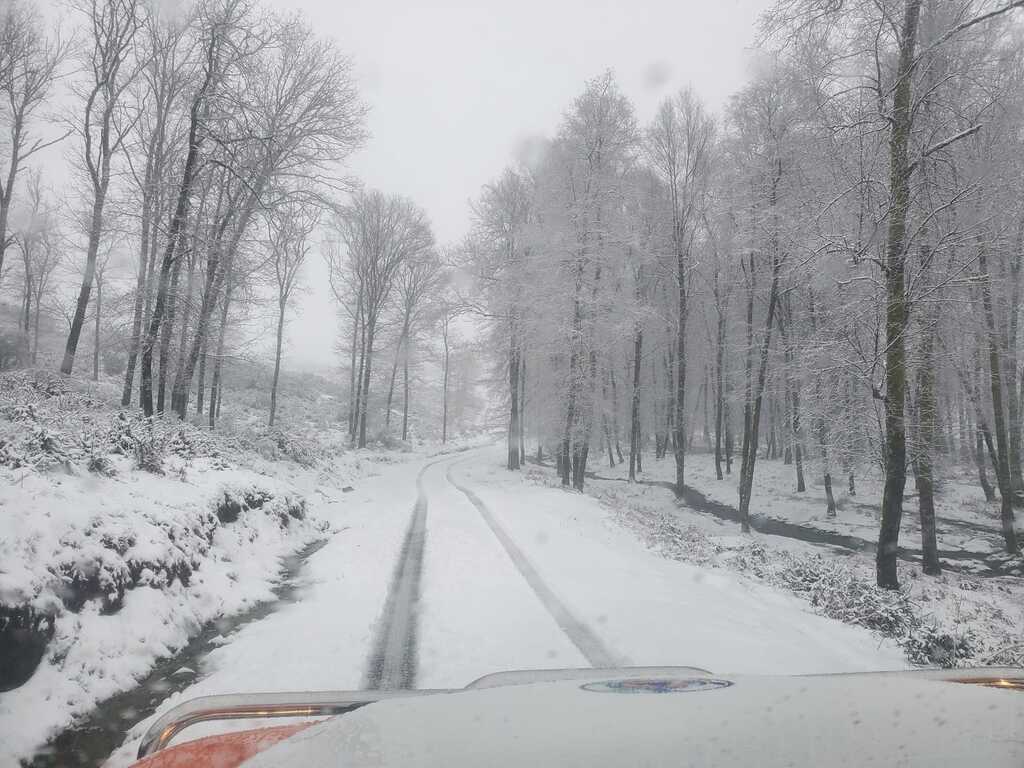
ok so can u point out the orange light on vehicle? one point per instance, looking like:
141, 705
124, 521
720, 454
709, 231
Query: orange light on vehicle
226, 750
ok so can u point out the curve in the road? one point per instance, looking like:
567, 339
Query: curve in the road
593, 650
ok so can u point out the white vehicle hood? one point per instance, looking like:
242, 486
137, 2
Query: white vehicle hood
832, 720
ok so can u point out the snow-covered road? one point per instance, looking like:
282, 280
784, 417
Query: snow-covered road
513, 575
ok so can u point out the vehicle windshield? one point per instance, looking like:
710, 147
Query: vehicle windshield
349, 349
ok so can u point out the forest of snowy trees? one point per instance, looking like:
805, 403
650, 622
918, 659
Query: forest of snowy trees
204, 149
829, 271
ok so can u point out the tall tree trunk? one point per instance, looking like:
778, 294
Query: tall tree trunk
926, 416
748, 380
999, 419
188, 176
142, 277
522, 409
728, 437
719, 400
89, 275
751, 455
366, 381
444, 393
753, 421
201, 381
830, 500
979, 458
26, 306
352, 367
35, 327
615, 413
634, 412
792, 393
164, 356
680, 431
514, 415
706, 390
568, 436
360, 392
896, 305
581, 450
394, 373
405, 390
187, 309
218, 362
277, 364
798, 452
7, 192
96, 330
1010, 366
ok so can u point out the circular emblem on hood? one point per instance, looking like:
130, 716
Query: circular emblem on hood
657, 685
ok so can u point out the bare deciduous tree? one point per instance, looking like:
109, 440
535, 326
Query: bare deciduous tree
112, 62
29, 60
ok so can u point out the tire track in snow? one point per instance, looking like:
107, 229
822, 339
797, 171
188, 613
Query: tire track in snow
392, 665
593, 650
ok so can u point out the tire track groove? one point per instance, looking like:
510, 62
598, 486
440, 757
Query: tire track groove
588, 644
392, 664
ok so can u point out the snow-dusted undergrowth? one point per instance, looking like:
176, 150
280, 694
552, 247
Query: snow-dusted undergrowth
953, 620
122, 537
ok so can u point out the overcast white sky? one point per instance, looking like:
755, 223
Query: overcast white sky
455, 87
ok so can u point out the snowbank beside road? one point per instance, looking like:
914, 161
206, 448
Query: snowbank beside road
119, 571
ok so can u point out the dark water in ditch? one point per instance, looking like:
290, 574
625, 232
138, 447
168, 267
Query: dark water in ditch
95, 736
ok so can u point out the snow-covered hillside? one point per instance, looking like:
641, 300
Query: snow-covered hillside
123, 537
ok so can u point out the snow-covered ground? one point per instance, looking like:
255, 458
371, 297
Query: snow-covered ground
957, 618
515, 572
65, 524
101, 532
653, 610
965, 521
478, 615
121, 541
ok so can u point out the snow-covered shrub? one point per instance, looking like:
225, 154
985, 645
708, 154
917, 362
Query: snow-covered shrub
384, 439
189, 442
274, 443
284, 507
121, 436
141, 438
100, 464
149, 449
928, 644
233, 502
841, 594
35, 387
12, 456
46, 446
